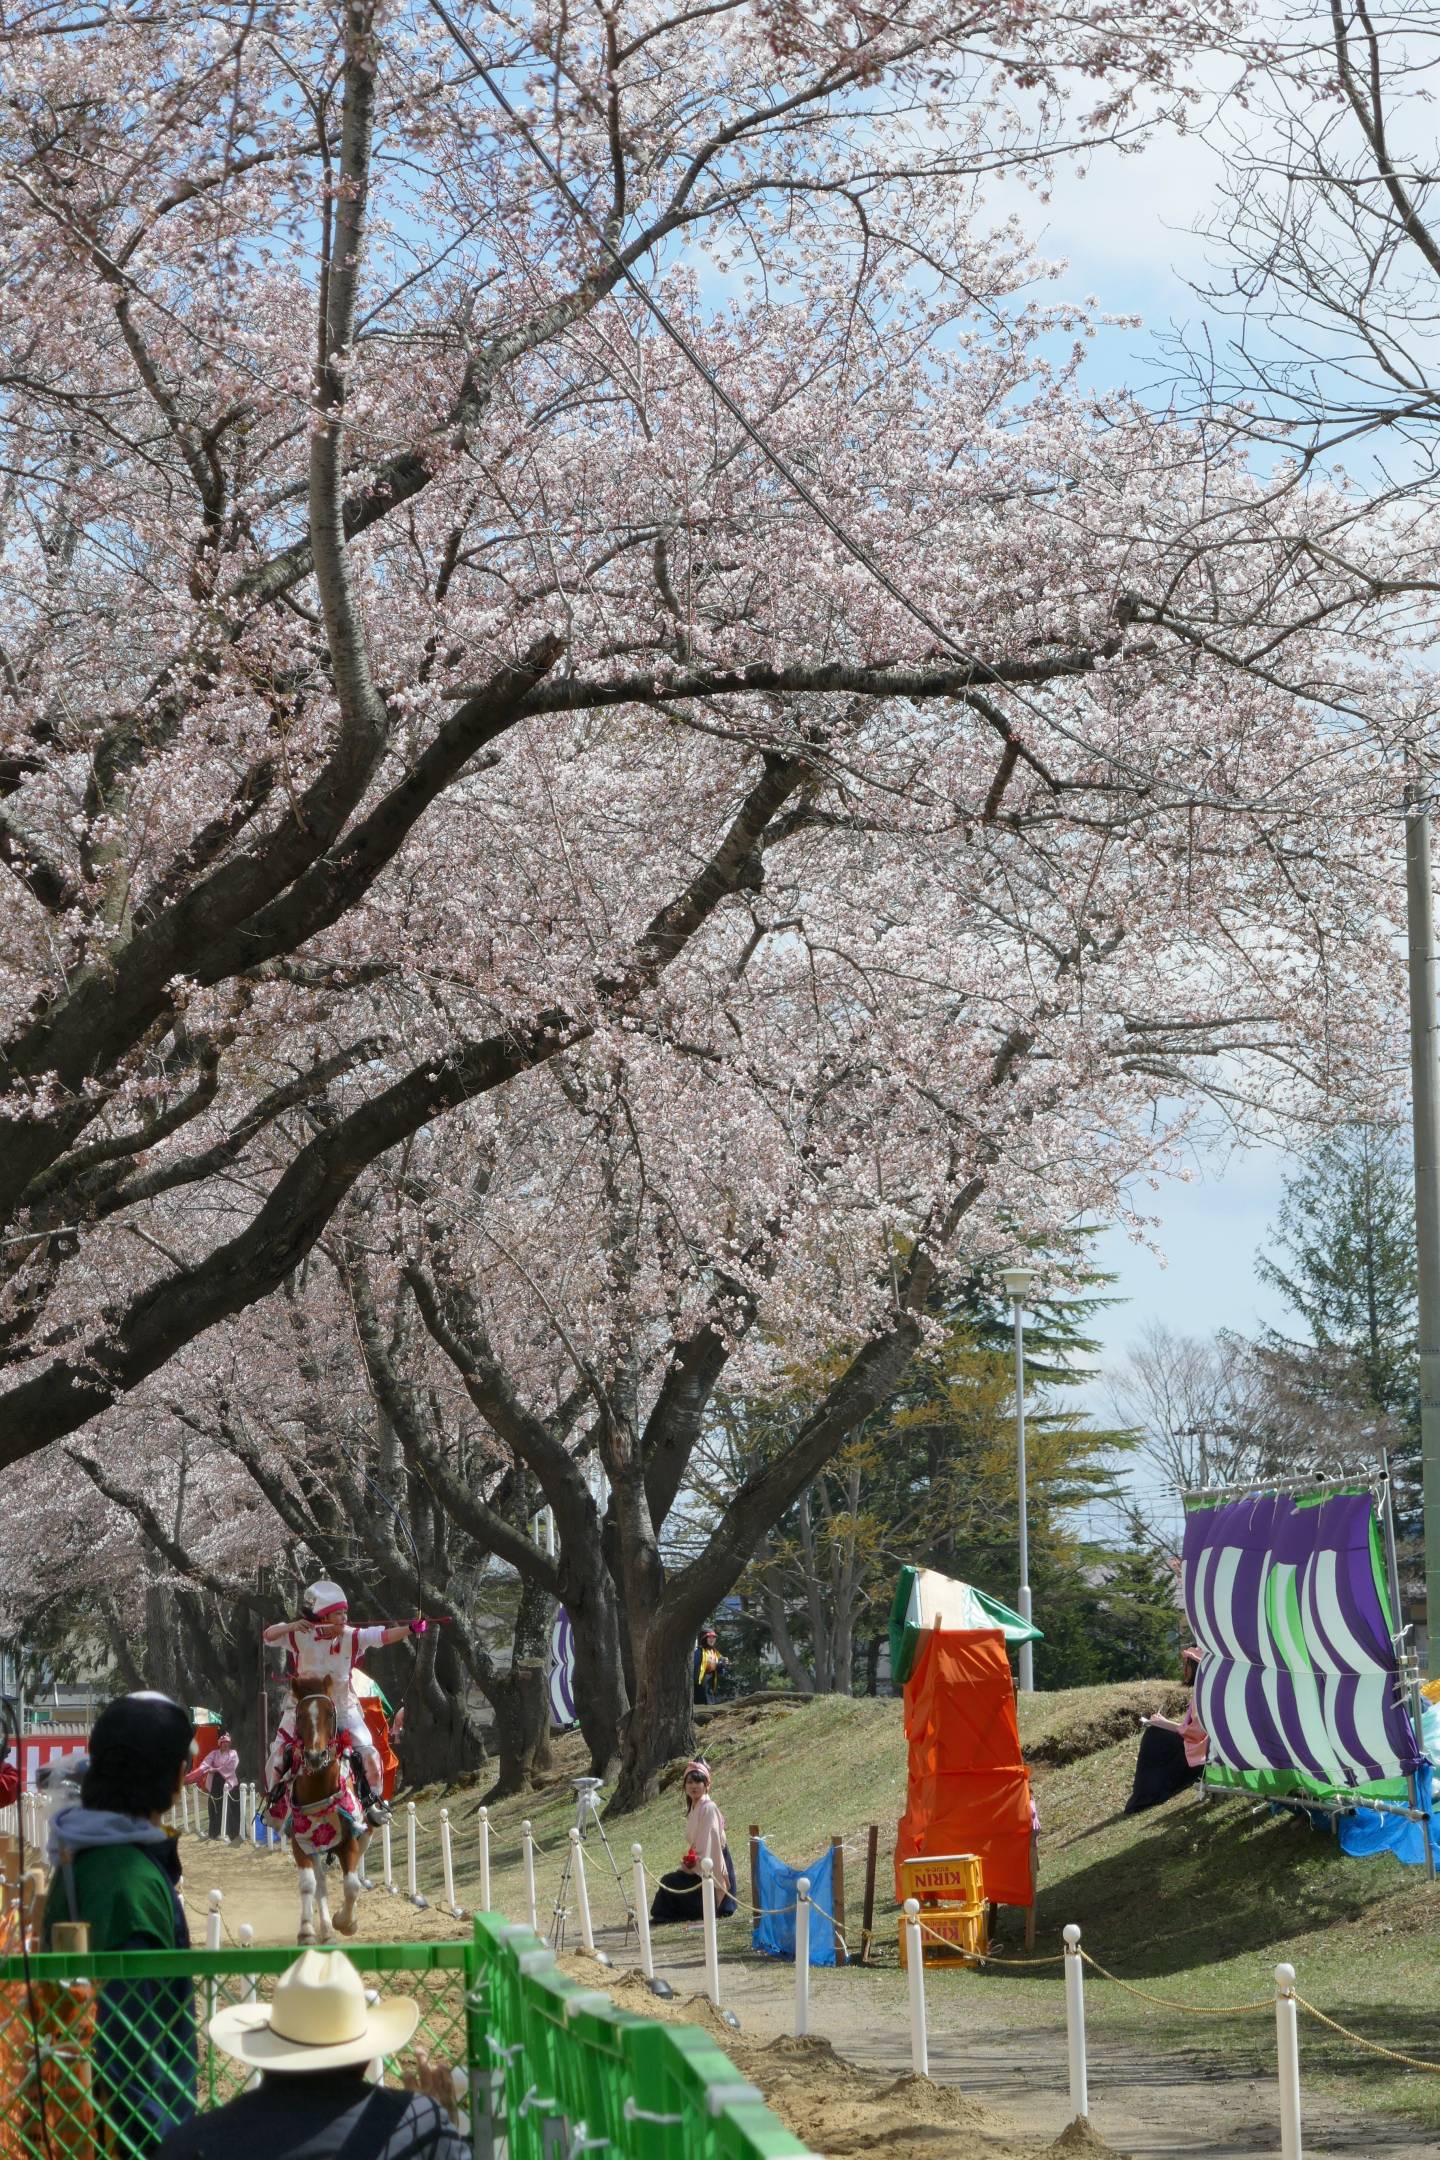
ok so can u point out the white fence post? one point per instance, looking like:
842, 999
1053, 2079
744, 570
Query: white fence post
915, 1973
712, 1935
1075, 2024
412, 1871
527, 1846
1287, 2051
252, 1991
224, 1813
387, 1858
577, 1869
642, 1913
802, 1957
485, 1904
448, 1858
212, 1923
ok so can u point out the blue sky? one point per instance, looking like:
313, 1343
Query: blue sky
1126, 231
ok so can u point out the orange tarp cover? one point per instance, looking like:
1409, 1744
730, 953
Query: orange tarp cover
969, 1789
380, 1733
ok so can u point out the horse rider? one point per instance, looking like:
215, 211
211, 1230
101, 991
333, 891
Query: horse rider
323, 1647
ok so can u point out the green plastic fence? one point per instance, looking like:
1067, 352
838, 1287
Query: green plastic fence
555, 2071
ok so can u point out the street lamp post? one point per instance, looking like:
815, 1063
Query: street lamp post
1017, 1281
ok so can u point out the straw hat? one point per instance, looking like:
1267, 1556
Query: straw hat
319, 2020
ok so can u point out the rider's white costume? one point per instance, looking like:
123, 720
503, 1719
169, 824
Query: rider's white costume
318, 1659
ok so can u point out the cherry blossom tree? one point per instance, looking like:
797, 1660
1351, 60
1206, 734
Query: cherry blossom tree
355, 508
805, 794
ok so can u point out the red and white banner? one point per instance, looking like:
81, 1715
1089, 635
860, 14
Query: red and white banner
39, 1748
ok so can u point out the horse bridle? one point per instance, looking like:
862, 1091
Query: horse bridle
321, 1758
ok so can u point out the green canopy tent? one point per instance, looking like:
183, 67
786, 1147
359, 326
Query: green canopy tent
926, 1599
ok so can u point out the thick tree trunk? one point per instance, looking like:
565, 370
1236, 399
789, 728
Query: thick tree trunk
442, 1741
601, 1702
521, 1701
521, 1731
661, 1725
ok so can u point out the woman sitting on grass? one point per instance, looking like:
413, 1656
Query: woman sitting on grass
679, 1894
1172, 1750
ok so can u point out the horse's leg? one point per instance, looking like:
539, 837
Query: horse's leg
349, 1856
307, 1896
322, 1901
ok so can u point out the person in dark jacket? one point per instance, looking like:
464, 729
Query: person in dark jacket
312, 2046
117, 1868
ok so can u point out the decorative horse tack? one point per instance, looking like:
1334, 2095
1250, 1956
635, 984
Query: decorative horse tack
324, 1818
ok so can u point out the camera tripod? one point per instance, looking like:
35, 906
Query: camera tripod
587, 1815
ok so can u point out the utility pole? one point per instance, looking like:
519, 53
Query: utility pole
1017, 1281
1425, 1114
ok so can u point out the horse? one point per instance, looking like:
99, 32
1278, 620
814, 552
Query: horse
322, 1824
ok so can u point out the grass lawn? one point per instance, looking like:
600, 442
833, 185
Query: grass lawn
1196, 1901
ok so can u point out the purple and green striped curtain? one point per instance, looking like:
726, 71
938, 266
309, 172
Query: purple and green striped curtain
1299, 1685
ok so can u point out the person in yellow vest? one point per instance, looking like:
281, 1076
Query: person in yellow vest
708, 1666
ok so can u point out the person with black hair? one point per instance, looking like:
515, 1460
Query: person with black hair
117, 1868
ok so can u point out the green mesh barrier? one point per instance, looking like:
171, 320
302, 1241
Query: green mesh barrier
117, 2045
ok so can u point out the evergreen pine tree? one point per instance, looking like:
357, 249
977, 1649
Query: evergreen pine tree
1343, 1257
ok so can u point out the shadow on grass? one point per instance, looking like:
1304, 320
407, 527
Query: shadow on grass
1199, 1882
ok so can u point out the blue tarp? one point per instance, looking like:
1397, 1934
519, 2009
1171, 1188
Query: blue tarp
1367, 1831
774, 1931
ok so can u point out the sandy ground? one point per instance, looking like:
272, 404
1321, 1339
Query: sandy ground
997, 2088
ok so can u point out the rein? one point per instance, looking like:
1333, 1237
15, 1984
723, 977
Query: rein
317, 1760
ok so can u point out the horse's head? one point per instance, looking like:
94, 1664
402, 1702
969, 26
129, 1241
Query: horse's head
316, 1727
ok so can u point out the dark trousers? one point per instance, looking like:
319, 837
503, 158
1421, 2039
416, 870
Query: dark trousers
1160, 1770
217, 1805
680, 1896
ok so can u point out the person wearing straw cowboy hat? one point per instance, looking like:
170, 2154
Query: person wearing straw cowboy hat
313, 2046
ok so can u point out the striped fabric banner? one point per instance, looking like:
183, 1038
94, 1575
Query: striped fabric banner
1298, 1686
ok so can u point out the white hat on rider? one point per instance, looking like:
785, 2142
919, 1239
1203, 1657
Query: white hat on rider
324, 1599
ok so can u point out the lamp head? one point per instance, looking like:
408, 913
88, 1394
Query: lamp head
1017, 1281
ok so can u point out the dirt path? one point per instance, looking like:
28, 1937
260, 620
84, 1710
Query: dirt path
1004, 2069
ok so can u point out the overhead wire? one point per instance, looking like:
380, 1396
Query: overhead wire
853, 546
986, 674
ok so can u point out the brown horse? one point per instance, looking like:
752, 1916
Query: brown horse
321, 1824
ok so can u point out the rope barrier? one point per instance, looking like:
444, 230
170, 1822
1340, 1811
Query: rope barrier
1169, 2002
205, 1909
983, 1958
1372, 2047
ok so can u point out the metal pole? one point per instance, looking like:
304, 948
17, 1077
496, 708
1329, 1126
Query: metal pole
642, 1913
1027, 1650
1425, 1116
485, 1904
527, 1847
712, 1936
802, 1957
577, 1863
1287, 2061
1408, 1671
915, 1974
1075, 2024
